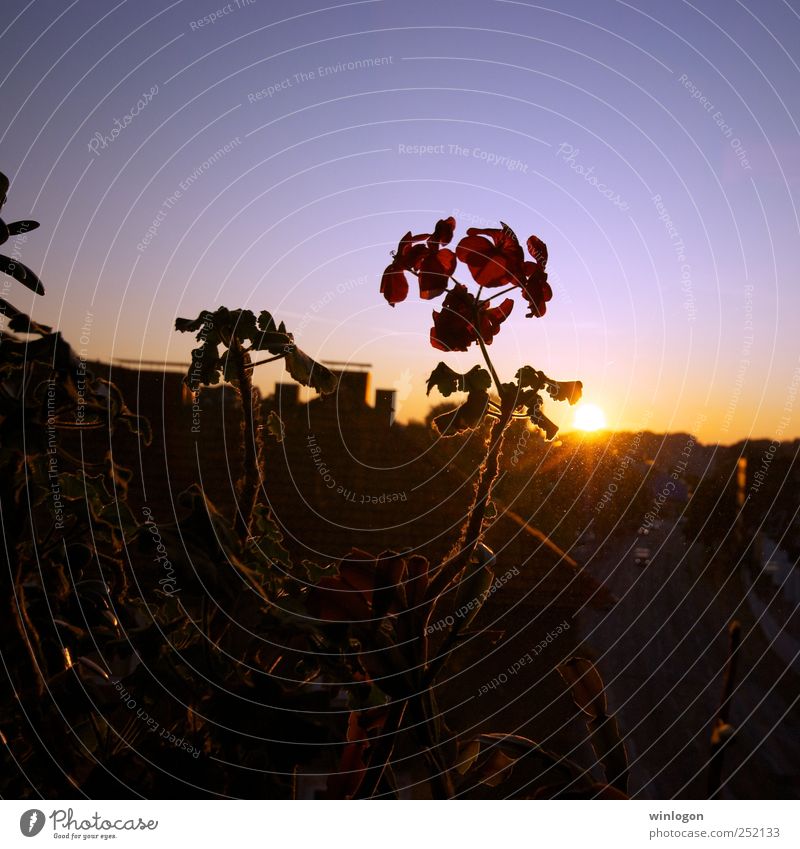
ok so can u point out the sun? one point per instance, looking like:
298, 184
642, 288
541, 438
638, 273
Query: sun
589, 418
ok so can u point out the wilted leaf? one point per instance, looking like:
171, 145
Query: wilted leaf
266, 322
467, 754
610, 750
538, 418
205, 367
21, 323
586, 686
191, 325
529, 377
567, 390
466, 417
496, 769
448, 381
266, 535
309, 372
275, 426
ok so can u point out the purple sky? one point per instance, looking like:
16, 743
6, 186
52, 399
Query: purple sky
653, 146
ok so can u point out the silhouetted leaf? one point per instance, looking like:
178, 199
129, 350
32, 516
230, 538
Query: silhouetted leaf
529, 377
586, 686
448, 381
191, 325
205, 367
21, 273
538, 418
566, 390
275, 426
267, 538
21, 323
266, 322
466, 417
309, 372
19, 228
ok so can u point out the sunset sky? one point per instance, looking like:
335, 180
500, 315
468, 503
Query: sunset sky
273, 162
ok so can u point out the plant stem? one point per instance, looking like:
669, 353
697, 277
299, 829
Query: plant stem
249, 481
381, 751
491, 366
497, 294
261, 362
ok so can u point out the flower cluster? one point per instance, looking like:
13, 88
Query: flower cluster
494, 258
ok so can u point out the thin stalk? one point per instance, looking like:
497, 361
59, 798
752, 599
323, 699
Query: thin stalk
249, 481
497, 294
381, 751
261, 362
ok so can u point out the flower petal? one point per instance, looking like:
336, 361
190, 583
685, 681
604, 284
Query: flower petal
434, 273
394, 286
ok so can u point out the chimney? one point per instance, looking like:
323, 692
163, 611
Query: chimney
385, 400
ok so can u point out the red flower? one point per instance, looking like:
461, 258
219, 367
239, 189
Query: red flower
443, 232
455, 328
493, 317
433, 265
492, 263
435, 271
535, 288
394, 286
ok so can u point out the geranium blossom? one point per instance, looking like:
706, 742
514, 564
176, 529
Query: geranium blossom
456, 327
496, 261
433, 264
